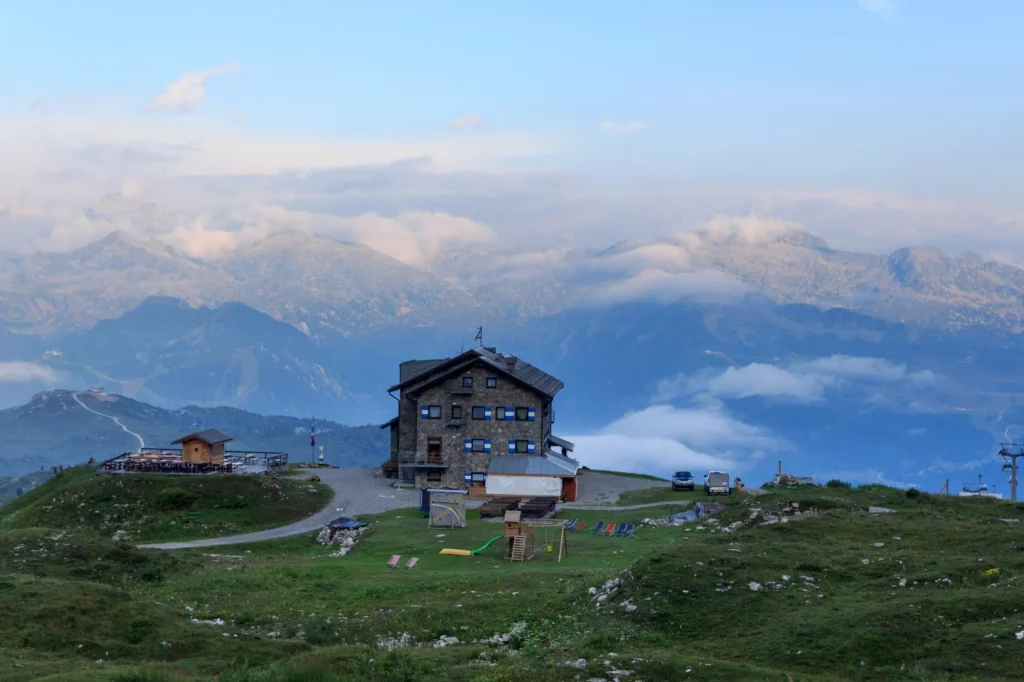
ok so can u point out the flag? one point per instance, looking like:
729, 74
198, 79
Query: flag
312, 435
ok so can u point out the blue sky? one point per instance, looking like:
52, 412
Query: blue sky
905, 98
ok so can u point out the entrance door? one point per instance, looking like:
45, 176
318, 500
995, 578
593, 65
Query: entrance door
434, 451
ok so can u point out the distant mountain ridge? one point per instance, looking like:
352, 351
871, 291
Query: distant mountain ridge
325, 286
54, 428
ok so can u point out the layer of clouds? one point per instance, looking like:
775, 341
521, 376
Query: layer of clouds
189, 90
662, 439
802, 381
624, 127
860, 477
707, 286
25, 372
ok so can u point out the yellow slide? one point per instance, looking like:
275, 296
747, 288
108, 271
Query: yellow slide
459, 552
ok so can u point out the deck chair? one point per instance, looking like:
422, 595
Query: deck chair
569, 524
598, 528
395, 558
609, 530
624, 530
579, 526
412, 563
630, 532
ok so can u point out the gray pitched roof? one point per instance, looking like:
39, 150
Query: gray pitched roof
209, 436
526, 465
423, 371
562, 443
411, 369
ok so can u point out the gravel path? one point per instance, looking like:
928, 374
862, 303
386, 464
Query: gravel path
356, 492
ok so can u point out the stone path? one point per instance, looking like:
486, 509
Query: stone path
356, 492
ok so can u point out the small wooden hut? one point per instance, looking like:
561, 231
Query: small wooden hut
204, 446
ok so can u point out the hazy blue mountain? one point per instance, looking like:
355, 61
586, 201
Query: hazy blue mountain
53, 428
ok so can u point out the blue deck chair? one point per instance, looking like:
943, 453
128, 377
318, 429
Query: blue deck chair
598, 528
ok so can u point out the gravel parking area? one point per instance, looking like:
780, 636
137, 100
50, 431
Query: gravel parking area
604, 489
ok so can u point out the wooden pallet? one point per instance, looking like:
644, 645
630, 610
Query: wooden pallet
518, 548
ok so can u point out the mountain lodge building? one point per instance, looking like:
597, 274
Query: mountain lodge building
481, 420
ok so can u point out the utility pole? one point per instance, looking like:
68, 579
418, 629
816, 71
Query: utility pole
1010, 452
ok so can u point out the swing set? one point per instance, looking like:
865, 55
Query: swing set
521, 537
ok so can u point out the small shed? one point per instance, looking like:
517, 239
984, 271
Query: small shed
547, 475
204, 446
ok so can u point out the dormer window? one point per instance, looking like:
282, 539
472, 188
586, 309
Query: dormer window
492, 382
467, 382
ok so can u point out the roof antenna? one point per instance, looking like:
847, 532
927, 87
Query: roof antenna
480, 336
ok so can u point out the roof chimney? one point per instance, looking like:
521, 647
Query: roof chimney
510, 362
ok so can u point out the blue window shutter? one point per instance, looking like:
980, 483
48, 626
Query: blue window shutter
425, 412
511, 446
487, 413
487, 446
531, 414
468, 477
510, 414
530, 447
469, 445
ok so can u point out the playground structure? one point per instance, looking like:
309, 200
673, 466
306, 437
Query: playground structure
521, 536
445, 507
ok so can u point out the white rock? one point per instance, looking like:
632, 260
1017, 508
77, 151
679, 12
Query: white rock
754, 587
878, 545
579, 663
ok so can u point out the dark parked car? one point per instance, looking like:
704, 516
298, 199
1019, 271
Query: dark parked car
682, 480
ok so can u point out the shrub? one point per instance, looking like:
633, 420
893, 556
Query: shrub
175, 498
836, 483
913, 493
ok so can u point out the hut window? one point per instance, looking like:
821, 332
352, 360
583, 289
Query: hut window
522, 446
433, 477
467, 382
492, 382
456, 411
522, 414
434, 412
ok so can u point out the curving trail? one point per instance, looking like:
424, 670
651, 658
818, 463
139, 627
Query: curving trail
142, 443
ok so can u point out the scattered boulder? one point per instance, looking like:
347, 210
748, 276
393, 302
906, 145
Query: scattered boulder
342, 532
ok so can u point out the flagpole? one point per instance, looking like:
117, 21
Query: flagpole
312, 442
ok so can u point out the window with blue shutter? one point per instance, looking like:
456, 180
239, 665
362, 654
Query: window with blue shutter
487, 413
487, 446
530, 447
425, 412
510, 414
511, 446
531, 414
469, 445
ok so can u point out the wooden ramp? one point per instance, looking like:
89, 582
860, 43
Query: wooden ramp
518, 548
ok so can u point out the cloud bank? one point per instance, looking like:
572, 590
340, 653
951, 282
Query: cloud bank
189, 90
25, 372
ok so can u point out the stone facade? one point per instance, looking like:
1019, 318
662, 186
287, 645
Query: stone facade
414, 432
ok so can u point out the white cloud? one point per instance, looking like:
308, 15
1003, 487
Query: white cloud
199, 241
24, 372
466, 122
624, 127
737, 229
802, 381
418, 237
662, 439
189, 90
769, 381
666, 287
882, 8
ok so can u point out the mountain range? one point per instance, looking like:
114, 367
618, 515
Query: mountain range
300, 324
62, 427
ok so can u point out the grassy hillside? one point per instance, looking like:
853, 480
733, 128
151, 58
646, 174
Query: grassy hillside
163, 508
826, 602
